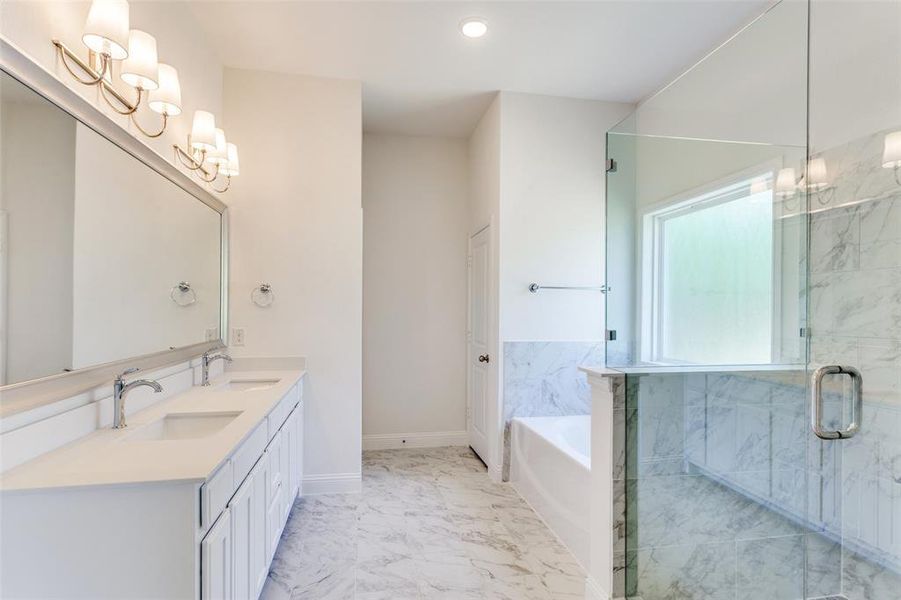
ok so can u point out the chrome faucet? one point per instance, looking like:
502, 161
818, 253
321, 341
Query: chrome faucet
120, 389
205, 361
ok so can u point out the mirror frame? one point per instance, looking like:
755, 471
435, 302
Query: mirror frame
27, 395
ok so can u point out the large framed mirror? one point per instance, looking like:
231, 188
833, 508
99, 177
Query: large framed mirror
104, 258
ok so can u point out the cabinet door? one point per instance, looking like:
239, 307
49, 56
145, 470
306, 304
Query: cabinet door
275, 495
259, 546
274, 522
287, 451
248, 517
216, 560
297, 452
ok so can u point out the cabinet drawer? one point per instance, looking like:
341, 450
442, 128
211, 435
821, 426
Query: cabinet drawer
248, 454
281, 411
215, 493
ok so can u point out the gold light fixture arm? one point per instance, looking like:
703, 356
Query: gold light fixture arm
228, 182
130, 108
147, 133
192, 163
96, 77
207, 177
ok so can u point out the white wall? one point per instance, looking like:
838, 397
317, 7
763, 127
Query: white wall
296, 223
31, 24
552, 215
537, 168
415, 230
37, 180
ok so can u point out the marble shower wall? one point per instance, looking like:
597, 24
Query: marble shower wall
729, 495
855, 268
542, 379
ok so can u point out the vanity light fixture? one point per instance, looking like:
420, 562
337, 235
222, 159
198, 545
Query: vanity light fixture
786, 184
473, 27
891, 154
208, 154
108, 38
816, 181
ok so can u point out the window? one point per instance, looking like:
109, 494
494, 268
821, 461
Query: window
708, 277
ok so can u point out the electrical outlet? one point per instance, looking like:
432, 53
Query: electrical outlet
237, 338
212, 334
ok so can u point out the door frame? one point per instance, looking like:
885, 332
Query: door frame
493, 461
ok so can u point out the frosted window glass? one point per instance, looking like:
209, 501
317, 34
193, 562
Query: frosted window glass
716, 283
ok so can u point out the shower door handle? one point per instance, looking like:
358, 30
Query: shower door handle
816, 402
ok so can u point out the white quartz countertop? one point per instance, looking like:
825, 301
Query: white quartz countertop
109, 457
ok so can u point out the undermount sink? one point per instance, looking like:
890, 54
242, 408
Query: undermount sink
248, 385
184, 426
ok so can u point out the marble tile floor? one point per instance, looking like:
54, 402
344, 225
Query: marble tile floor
429, 524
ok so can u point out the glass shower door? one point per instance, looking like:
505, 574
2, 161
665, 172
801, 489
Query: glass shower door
754, 262
855, 285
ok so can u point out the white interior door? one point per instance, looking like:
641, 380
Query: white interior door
479, 359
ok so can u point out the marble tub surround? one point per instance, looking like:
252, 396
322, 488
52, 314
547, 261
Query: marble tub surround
542, 379
111, 456
429, 524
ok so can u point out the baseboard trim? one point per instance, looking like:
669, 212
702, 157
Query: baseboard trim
332, 483
593, 591
428, 439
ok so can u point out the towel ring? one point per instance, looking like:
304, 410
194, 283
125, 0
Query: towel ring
183, 294
262, 295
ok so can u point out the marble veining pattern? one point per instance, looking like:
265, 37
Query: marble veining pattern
542, 379
428, 524
739, 514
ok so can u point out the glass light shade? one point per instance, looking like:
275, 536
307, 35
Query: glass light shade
203, 131
891, 155
785, 182
231, 167
219, 155
166, 99
106, 30
141, 69
817, 176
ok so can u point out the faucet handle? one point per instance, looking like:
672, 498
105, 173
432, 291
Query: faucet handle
128, 372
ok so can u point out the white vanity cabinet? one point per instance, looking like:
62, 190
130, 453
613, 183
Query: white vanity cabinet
235, 556
211, 539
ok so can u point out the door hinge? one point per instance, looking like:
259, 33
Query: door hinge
611, 165
611, 335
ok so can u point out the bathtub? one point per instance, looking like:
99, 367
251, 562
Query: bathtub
550, 467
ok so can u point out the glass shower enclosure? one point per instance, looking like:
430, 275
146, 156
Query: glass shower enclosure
754, 267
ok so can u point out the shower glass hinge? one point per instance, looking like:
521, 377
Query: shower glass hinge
611, 165
611, 335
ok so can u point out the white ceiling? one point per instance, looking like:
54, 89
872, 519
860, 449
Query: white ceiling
422, 77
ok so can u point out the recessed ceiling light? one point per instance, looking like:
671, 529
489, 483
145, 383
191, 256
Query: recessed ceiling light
473, 27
